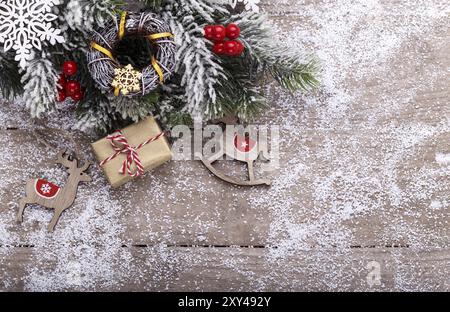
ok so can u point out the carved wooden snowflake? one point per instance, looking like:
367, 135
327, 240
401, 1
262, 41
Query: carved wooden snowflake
25, 24
127, 79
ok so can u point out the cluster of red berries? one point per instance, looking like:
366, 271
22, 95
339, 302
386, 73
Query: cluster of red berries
218, 35
69, 88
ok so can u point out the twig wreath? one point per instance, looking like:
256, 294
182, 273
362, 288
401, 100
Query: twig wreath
125, 79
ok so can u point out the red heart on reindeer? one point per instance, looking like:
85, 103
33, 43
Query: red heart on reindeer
244, 144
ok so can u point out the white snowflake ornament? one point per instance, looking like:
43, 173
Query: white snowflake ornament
46, 188
25, 24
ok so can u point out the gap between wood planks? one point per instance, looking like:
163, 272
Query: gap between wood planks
221, 246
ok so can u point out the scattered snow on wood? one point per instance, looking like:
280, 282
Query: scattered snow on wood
364, 164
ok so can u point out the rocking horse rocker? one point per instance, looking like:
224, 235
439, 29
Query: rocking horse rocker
243, 149
44, 193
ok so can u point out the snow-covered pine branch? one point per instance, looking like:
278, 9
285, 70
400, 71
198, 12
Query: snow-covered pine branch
200, 71
80, 17
39, 81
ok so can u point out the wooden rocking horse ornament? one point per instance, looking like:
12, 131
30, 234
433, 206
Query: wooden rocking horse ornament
47, 194
243, 149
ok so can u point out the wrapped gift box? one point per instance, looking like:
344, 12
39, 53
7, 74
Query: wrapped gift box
151, 155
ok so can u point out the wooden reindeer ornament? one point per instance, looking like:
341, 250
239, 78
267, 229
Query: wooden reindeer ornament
49, 195
241, 148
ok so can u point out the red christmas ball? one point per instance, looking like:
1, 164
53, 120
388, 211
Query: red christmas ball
72, 87
233, 31
219, 48
231, 48
239, 48
220, 33
62, 82
61, 96
78, 96
70, 68
209, 32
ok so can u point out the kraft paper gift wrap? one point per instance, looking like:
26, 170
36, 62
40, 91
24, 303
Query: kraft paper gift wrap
151, 155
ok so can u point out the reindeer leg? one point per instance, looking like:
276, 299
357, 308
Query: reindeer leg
55, 219
23, 202
251, 173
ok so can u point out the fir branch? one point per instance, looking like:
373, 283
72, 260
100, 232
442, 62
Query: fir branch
294, 75
240, 94
80, 17
264, 55
204, 85
135, 108
10, 79
39, 82
245, 105
199, 72
152, 4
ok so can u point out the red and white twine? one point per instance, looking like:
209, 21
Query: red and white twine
121, 146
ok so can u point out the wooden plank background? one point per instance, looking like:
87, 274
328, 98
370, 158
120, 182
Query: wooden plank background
363, 182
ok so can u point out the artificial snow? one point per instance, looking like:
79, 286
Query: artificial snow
359, 169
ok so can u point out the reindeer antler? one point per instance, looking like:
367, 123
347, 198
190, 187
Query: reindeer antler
85, 166
63, 159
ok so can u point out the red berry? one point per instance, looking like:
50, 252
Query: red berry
78, 96
233, 31
62, 82
70, 68
231, 48
72, 87
209, 32
219, 48
220, 33
239, 48
61, 96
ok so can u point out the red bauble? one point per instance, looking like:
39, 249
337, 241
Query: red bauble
209, 32
233, 31
239, 48
70, 68
220, 33
62, 82
231, 48
72, 87
61, 96
219, 48
78, 96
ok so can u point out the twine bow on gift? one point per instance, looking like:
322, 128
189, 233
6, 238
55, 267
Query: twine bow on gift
121, 146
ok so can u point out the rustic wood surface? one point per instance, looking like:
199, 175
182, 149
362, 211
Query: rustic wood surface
363, 186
